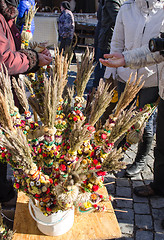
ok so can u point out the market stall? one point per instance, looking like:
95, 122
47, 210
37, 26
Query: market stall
46, 28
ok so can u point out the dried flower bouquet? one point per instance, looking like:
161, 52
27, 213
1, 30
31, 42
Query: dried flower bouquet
61, 161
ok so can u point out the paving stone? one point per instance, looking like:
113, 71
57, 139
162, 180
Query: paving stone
137, 183
140, 199
159, 236
143, 221
127, 160
150, 161
120, 174
131, 155
121, 182
147, 174
110, 188
151, 154
158, 214
157, 202
144, 235
141, 208
147, 181
125, 217
123, 192
126, 228
157, 226
133, 147
124, 204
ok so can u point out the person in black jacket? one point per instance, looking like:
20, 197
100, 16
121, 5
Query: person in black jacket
109, 12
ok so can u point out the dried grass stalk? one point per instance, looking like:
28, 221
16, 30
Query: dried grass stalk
28, 85
21, 94
112, 163
5, 118
78, 135
124, 122
130, 91
84, 71
33, 101
16, 143
50, 101
101, 102
5, 85
60, 70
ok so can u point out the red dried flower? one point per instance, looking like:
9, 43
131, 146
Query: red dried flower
75, 119
17, 185
63, 167
95, 188
95, 161
48, 209
48, 191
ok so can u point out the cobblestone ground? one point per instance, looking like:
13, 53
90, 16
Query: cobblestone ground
138, 218
142, 221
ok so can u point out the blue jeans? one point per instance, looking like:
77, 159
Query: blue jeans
99, 69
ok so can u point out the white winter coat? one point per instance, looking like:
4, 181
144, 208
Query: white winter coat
140, 57
137, 22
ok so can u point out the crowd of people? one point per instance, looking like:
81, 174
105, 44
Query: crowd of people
121, 46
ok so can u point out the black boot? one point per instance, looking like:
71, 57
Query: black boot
140, 160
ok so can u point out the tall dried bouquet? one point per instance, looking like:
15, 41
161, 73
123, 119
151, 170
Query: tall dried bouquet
61, 161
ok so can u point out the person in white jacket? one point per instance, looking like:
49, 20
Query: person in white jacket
137, 22
138, 58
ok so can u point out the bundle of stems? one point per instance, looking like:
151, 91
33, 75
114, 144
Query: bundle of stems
68, 94
130, 91
26, 34
5, 118
112, 163
21, 94
28, 85
16, 143
84, 71
60, 69
38, 108
5, 87
100, 102
50, 101
125, 121
78, 135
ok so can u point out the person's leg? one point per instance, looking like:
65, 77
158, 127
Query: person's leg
6, 189
148, 95
159, 152
156, 187
62, 44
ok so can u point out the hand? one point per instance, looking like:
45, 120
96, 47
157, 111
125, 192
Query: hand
46, 52
114, 60
44, 59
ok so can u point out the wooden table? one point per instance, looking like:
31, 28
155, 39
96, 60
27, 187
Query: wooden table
87, 226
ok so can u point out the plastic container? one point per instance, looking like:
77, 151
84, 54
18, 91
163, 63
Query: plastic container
54, 225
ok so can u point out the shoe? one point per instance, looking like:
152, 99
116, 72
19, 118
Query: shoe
144, 191
134, 169
140, 159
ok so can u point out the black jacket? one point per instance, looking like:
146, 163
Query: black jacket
110, 9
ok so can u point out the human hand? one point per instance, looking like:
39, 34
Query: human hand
114, 60
46, 52
44, 59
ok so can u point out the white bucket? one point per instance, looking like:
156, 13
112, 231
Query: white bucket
54, 225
